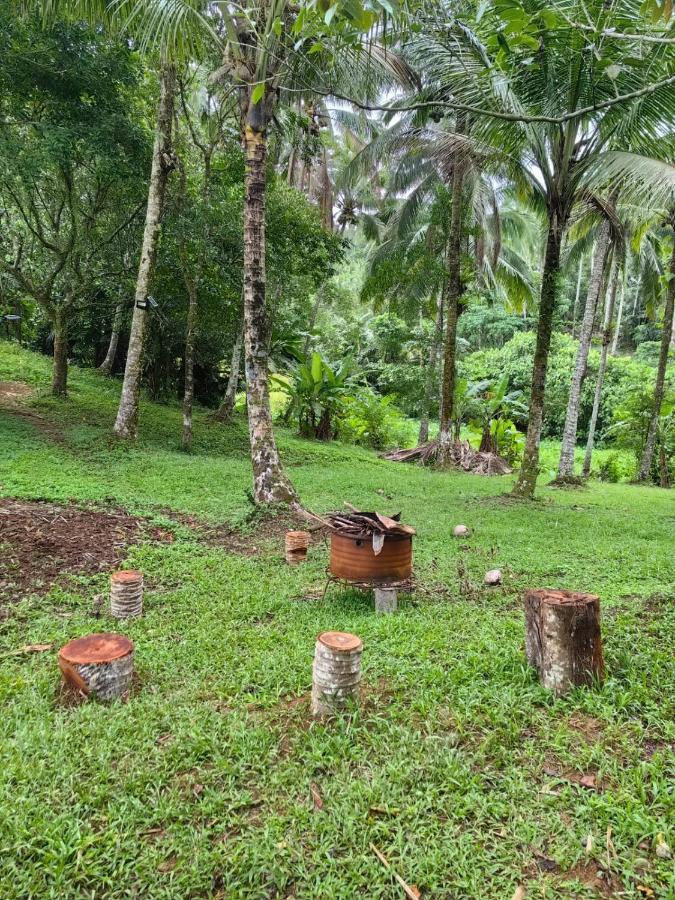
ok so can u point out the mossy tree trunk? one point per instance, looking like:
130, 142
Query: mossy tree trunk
270, 483
529, 470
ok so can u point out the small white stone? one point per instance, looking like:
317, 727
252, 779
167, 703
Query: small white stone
494, 576
461, 531
663, 851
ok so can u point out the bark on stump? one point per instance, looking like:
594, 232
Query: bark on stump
297, 543
100, 665
562, 638
336, 675
126, 594
386, 600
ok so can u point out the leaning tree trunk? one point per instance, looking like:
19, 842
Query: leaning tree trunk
648, 452
577, 295
108, 362
529, 469
569, 438
606, 340
453, 290
270, 484
190, 333
60, 371
226, 408
126, 424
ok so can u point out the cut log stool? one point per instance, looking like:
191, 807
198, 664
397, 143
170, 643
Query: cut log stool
297, 543
126, 594
386, 600
336, 675
562, 638
99, 664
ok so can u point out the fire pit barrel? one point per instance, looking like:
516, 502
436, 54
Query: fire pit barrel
353, 558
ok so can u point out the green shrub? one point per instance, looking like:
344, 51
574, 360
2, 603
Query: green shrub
372, 421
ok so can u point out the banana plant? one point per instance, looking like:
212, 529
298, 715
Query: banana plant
316, 395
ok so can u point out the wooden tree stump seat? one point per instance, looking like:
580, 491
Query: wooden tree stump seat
101, 665
562, 638
336, 675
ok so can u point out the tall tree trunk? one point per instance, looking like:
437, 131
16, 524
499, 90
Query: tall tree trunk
577, 295
190, 336
270, 484
619, 317
60, 370
606, 341
648, 452
292, 162
108, 362
529, 469
226, 408
436, 342
569, 438
453, 290
126, 424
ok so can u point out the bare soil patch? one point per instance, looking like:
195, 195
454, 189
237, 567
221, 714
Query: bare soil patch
12, 395
266, 532
12, 392
41, 542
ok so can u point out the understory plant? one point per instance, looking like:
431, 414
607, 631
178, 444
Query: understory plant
490, 410
317, 395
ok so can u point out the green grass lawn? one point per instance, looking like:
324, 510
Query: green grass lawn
459, 767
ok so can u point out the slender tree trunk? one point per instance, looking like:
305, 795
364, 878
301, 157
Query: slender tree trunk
576, 296
436, 342
292, 160
60, 371
529, 469
619, 316
270, 484
569, 438
453, 290
606, 341
648, 452
126, 424
108, 362
312, 318
226, 408
190, 337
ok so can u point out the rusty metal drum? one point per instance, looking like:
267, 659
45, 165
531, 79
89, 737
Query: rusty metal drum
352, 558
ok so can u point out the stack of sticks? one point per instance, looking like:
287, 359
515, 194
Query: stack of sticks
356, 522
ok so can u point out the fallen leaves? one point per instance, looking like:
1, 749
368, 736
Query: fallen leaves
28, 648
316, 796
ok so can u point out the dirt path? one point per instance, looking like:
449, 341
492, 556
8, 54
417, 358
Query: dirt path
12, 395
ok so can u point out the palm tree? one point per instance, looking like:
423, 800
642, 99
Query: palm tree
666, 334
555, 116
598, 273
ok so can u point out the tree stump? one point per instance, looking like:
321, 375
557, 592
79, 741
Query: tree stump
297, 543
386, 600
336, 675
126, 594
100, 665
562, 638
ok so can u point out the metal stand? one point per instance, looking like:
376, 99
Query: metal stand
386, 592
